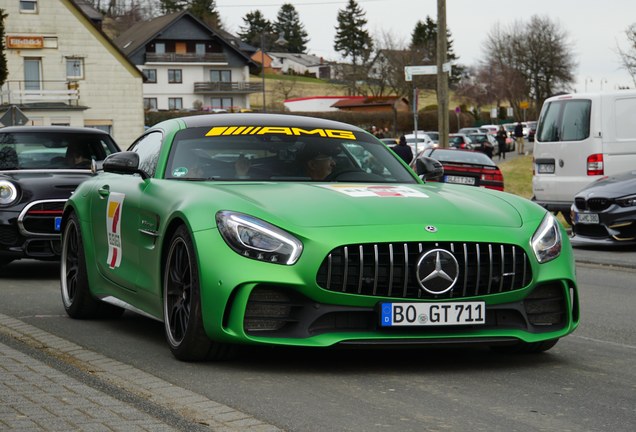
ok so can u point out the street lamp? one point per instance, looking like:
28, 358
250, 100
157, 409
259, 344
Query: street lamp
280, 41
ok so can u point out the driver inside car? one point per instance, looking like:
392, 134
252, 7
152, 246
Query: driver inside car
317, 162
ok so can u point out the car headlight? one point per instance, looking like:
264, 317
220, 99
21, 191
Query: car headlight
628, 201
8, 192
257, 239
546, 241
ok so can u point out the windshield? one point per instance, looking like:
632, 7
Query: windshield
354, 157
52, 150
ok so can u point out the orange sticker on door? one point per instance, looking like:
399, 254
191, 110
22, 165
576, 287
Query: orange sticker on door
113, 228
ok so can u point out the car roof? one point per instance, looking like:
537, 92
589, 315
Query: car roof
260, 119
50, 129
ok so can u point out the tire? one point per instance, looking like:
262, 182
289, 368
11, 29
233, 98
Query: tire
76, 297
183, 319
527, 347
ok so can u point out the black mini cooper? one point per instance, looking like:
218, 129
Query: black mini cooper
40, 167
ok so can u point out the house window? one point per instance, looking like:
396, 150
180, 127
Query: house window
74, 68
160, 48
200, 49
175, 104
221, 103
174, 76
150, 104
151, 75
220, 76
30, 6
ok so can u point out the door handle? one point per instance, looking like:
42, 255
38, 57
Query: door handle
104, 191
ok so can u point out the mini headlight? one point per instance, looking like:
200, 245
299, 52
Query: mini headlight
8, 192
257, 239
628, 201
546, 241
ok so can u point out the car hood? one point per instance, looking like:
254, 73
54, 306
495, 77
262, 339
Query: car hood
46, 185
613, 186
319, 205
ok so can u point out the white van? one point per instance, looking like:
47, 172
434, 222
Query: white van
580, 138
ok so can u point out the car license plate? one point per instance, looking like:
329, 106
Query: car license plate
460, 180
432, 314
586, 218
546, 168
58, 223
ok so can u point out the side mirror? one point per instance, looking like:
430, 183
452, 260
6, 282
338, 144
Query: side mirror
428, 168
124, 163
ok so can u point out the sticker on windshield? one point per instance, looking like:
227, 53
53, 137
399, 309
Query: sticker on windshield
280, 130
113, 228
376, 191
179, 172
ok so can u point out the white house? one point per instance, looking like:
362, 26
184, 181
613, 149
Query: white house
63, 70
187, 65
301, 64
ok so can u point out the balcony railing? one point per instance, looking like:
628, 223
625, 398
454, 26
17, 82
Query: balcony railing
227, 87
25, 92
186, 58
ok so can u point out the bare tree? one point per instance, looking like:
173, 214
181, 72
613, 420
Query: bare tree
528, 61
628, 55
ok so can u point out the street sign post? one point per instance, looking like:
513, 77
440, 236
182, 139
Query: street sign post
409, 71
13, 117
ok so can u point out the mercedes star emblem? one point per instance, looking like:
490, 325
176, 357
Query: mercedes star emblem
437, 271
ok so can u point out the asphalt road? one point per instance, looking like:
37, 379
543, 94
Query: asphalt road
586, 383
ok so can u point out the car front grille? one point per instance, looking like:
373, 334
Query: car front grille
592, 204
389, 269
38, 218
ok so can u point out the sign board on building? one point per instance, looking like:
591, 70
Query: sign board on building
25, 42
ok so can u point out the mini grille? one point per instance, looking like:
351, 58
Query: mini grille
389, 269
40, 217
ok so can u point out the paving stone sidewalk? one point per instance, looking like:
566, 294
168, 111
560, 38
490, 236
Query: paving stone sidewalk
50, 384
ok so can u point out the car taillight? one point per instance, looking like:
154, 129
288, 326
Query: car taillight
493, 176
595, 164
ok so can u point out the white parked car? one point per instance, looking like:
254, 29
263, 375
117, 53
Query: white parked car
422, 142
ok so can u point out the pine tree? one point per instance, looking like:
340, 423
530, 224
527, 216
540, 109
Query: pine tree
255, 26
289, 26
205, 10
353, 41
424, 48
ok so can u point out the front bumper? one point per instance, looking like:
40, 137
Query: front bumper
30, 233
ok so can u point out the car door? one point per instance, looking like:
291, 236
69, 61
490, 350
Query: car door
121, 226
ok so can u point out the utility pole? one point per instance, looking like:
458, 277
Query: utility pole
442, 77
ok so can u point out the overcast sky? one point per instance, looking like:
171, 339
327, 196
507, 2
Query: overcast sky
595, 27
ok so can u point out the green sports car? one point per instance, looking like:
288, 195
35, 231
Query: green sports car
284, 230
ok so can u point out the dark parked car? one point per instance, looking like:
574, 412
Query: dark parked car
604, 213
460, 141
40, 167
481, 140
466, 167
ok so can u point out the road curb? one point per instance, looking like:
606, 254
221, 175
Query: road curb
190, 405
